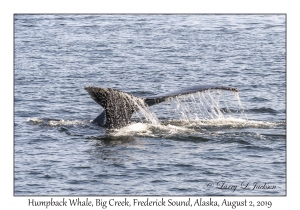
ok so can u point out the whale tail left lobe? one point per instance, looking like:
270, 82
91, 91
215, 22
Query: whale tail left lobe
118, 106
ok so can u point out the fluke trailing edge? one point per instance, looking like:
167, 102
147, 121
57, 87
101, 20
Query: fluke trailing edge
119, 106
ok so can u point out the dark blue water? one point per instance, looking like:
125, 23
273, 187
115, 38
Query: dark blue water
59, 151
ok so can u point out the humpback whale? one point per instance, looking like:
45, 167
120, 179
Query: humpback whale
119, 106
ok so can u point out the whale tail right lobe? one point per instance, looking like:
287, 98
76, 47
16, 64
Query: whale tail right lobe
119, 106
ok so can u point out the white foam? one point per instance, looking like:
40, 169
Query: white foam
34, 120
57, 122
181, 128
151, 130
66, 122
231, 122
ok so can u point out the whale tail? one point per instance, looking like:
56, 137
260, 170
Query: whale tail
119, 106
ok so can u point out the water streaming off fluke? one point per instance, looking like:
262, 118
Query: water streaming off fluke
207, 105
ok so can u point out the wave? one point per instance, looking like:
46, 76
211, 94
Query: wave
176, 125
173, 128
182, 130
262, 110
259, 99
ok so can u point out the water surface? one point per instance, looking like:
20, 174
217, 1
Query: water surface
191, 150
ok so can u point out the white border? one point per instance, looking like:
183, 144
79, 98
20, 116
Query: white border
10, 7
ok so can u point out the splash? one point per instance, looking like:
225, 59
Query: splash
195, 128
190, 115
152, 130
195, 115
207, 105
144, 113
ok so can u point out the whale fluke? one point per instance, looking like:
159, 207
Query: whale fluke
152, 100
119, 106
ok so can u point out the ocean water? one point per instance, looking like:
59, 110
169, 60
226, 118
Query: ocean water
210, 143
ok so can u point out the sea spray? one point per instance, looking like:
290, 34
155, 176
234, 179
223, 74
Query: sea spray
142, 108
205, 105
190, 114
